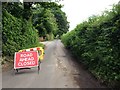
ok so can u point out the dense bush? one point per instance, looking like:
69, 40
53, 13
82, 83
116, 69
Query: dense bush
17, 34
96, 42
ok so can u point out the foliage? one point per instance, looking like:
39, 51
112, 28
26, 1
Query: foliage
17, 34
13, 7
96, 43
63, 24
44, 21
24, 23
49, 18
61, 19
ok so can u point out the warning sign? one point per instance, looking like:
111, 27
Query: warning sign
25, 59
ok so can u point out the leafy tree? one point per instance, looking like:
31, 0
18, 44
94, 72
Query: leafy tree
44, 20
27, 12
59, 15
63, 24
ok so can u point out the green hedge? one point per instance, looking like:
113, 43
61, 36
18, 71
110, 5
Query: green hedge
17, 34
96, 43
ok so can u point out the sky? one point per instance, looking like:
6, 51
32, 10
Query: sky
78, 11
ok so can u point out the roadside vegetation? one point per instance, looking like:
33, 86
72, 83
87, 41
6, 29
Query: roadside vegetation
25, 23
96, 43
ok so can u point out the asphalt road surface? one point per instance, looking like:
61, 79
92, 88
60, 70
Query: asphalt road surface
58, 70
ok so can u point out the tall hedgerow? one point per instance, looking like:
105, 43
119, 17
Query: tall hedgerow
96, 42
17, 34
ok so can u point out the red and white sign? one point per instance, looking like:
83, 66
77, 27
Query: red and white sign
26, 59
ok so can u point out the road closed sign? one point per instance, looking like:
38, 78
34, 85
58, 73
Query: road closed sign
26, 59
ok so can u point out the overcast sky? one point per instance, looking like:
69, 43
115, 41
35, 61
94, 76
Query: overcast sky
79, 10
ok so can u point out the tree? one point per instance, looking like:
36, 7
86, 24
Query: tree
44, 20
59, 15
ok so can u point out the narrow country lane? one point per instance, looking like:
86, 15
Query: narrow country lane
58, 70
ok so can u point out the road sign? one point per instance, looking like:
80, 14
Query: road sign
26, 59
39, 49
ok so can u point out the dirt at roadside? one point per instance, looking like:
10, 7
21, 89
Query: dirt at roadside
7, 66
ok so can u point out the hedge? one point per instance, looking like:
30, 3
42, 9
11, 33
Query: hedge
17, 34
96, 42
